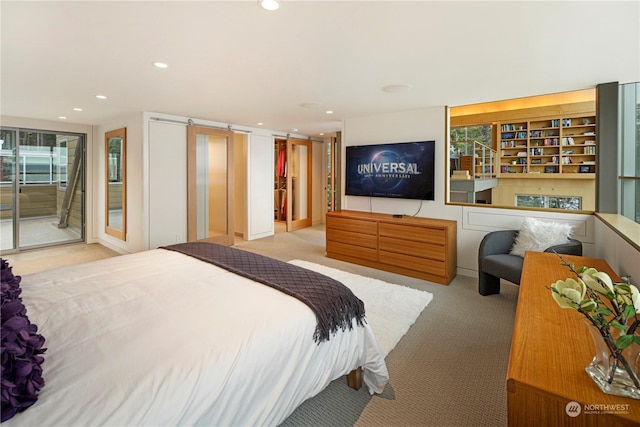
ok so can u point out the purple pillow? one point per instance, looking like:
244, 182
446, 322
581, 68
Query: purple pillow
20, 351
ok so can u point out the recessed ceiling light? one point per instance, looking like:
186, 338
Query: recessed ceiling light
329, 111
160, 65
397, 88
294, 130
321, 133
62, 117
101, 97
311, 105
270, 5
77, 109
260, 123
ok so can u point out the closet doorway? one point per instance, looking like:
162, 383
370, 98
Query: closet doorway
292, 185
210, 185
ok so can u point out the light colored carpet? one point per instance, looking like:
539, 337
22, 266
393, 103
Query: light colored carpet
390, 309
449, 370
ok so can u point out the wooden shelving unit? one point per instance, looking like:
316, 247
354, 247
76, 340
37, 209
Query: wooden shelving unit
549, 147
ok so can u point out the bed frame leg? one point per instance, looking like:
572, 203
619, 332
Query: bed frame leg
354, 379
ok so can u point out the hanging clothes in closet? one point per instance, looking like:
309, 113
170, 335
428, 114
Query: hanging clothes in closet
280, 186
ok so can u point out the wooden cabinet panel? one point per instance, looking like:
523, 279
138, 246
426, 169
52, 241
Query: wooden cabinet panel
354, 238
409, 247
339, 250
424, 234
414, 262
418, 247
351, 224
549, 351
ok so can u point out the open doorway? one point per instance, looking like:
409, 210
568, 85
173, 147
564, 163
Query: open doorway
292, 184
41, 188
210, 185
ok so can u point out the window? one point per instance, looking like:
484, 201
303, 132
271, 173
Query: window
629, 177
549, 202
462, 138
61, 160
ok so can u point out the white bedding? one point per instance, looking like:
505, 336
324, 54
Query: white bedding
161, 338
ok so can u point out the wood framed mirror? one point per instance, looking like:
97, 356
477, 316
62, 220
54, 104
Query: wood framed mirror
115, 180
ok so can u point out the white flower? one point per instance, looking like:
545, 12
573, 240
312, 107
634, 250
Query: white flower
569, 293
597, 280
635, 297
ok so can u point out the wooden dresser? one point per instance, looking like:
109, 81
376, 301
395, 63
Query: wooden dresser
418, 247
550, 349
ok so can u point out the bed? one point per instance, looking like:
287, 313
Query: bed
163, 338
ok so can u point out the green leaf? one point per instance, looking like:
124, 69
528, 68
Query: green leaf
629, 311
604, 311
624, 341
622, 288
588, 305
617, 325
636, 339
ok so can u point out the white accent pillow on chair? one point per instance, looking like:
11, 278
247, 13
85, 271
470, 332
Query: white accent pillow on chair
537, 236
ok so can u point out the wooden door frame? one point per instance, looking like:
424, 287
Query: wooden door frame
306, 222
192, 132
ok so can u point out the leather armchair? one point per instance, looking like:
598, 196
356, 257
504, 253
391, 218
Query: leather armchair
495, 261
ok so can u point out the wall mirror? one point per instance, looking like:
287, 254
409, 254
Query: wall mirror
115, 144
537, 152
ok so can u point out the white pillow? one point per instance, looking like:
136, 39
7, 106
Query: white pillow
538, 235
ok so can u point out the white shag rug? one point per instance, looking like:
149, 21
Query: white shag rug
390, 309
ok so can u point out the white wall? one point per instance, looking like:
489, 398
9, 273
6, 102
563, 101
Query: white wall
621, 255
473, 222
164, 184
260, 160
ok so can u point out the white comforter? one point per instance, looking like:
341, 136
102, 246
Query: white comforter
161, 338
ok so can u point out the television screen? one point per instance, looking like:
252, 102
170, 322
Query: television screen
400, 170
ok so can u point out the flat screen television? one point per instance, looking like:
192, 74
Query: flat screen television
402, 170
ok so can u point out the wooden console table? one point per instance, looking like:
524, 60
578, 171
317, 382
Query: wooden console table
413, 246
549, 352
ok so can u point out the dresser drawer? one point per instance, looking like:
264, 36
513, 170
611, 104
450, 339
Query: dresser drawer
419, 247
353, 225
335, 249
414, 263
411, 232
353, 238
412, 247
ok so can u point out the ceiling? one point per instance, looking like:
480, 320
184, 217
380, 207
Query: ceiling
232, 62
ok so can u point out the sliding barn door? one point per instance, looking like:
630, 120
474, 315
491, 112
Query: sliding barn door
209, 185
298, 184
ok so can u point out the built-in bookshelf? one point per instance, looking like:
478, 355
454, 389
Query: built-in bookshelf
548, 147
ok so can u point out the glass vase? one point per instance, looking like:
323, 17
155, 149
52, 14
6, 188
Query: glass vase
609, 371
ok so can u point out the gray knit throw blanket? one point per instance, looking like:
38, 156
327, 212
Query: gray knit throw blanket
334, 305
